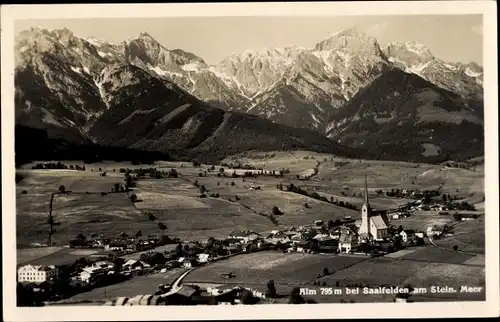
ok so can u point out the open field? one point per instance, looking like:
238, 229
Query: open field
421, 220
434, 254
451, 275
259, 268
381, 174
147, 284
468, 236
176, 203
374, 272
56, 255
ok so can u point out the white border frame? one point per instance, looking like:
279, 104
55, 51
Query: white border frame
279, 311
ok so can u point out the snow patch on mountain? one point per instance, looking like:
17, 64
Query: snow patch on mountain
416, 48
472, 73
316, 120
49, 118
163, 72
103, 54
191, 67
76, 69
450, 66
417, 69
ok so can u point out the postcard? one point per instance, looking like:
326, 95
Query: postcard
239, 161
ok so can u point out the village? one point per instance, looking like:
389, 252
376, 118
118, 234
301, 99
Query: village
131, 255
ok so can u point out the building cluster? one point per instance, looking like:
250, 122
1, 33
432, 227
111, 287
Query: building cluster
193, 295
121, 245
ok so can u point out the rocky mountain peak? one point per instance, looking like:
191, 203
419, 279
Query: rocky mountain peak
351, 40
408, 50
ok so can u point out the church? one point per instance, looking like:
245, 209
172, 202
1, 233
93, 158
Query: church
373, 227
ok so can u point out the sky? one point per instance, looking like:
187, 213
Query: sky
453, 38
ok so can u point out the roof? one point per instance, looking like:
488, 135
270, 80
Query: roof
378, 222
99, 263
347, 238
91, 269
186, 291
321, 237
130, 262
385, 218
38, 267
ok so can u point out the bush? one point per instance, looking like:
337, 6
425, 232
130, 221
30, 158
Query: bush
277, 211
232, 183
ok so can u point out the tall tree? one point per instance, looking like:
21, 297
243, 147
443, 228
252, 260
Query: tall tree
271, 289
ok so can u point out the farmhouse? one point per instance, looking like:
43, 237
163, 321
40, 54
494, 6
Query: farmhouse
103, 264
278, 236
188, 262
348, 241
244, 236
204, 258
132, 264
435, 231
37, 274
408, 235
372, 227
399, 214
117, 245
420, 234
91, 272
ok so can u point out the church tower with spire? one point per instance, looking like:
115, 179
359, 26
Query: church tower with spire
365, 214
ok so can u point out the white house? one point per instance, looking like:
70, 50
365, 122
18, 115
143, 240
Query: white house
203, 258
407, 235
37, 274
187, 262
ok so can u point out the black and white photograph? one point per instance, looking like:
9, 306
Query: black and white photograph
196, 155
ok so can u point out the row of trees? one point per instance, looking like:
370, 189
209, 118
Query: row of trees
296, 189
58, 165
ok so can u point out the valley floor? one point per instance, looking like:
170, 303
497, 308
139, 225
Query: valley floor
91, 209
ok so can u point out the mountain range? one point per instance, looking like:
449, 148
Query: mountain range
141, 95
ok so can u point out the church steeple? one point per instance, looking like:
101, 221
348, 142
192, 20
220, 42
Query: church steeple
365, 213
366, 193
